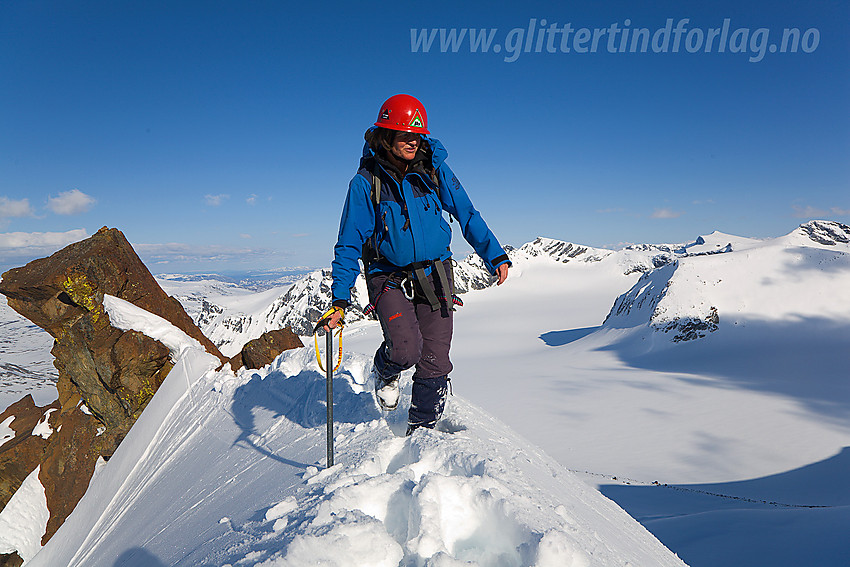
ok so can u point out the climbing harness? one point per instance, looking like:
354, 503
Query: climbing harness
404, 280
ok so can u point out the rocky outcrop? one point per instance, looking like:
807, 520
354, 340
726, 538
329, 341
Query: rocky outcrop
262, 351
20, 454
10, 560
106, 375
69, 462
51, 291
691, 328
828, 233
561, 251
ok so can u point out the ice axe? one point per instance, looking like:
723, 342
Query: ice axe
329, 372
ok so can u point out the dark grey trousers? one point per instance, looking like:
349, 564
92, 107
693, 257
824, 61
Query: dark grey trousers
415, 335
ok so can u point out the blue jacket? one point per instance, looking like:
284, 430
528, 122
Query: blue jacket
407, 225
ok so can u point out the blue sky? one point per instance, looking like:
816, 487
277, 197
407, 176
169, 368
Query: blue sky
221, 135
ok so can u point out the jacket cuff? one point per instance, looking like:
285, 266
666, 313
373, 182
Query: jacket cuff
499, 260
341, 303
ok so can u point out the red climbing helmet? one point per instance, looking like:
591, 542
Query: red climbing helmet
403, 113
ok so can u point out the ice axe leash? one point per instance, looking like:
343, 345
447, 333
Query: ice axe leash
329, 371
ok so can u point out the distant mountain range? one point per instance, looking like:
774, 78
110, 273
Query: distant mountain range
215, 305
230, 319
232, 309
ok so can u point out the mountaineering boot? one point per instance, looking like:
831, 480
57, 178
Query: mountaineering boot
386, 391
427, 402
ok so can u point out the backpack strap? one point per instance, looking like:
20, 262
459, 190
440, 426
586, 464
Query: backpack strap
376, 189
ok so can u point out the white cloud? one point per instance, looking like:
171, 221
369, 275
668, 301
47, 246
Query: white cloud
18, 240
252, 199
71, 202
245, 235
18, 248
807, 212
810, 212
176, 252
215, 200
10, 208
666, 213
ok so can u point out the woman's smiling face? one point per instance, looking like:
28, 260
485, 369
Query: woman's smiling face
405, 145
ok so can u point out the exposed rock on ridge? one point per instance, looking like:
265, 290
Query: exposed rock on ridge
828, 233
106, 375
263, 350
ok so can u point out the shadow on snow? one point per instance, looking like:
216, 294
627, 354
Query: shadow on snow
301, 400
561, 338
804, 358
138, 557
793, 518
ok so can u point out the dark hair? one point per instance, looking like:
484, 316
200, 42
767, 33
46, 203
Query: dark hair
380, 139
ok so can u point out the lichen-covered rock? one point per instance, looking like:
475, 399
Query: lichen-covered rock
263, 350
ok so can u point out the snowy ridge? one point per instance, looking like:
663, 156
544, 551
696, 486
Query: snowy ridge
226, 478
716, 243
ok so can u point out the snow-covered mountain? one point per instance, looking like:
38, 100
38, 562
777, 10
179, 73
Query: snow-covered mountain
742, 423
747, 281
753, 413
230, 318
254, 280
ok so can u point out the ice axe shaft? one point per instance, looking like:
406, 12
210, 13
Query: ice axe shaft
329, 370
329, 373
